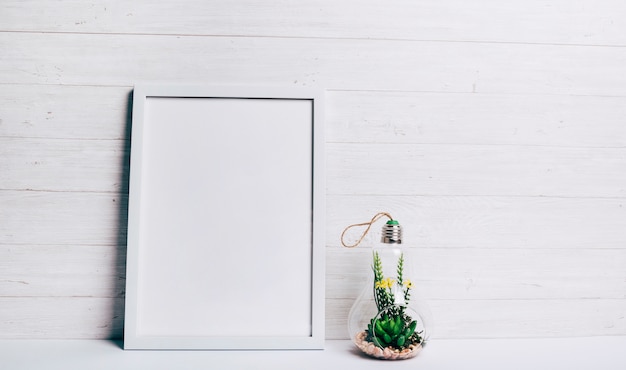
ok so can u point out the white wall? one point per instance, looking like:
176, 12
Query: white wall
493, 130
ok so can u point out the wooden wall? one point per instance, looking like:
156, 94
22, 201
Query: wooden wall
495, 131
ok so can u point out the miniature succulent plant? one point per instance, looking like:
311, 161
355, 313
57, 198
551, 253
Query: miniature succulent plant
392, 327
392, 331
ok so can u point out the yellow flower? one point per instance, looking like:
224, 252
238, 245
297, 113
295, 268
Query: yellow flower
385, 283
408, 284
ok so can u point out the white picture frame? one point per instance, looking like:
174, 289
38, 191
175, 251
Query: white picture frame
226, 219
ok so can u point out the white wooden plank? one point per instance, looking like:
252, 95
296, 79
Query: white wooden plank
366, 169
68, 318
102, 318
86, 218
499, 119
507, 318
332, 63
540, 318
64, 164
443, 273
81, 218
62, 271
553, 21
477, 273
516, 264
98, 112
85, 112
415, 169
487, 222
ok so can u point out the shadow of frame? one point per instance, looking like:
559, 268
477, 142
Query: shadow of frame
117, 319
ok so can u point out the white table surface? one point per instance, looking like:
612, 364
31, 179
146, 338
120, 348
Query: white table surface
605, 353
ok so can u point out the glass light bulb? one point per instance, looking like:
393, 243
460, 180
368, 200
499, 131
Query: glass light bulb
389, 320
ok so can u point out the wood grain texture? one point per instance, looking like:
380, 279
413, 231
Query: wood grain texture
494, 131
508, 318
95, 318
64, 164
63, 317
100, 112
487, 221
122, 60
88, 218
475, 118
55, 218
65, 112
62, 271
533, 21
487, 273
438, 169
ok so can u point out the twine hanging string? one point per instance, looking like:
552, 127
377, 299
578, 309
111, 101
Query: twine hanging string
377, 217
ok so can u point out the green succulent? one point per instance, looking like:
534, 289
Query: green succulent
392, 327
392, 331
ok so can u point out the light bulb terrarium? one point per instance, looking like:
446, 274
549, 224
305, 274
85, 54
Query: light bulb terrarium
388, 321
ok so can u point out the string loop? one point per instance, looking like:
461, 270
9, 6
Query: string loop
377, 217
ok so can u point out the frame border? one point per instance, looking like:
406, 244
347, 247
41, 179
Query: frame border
132, 340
